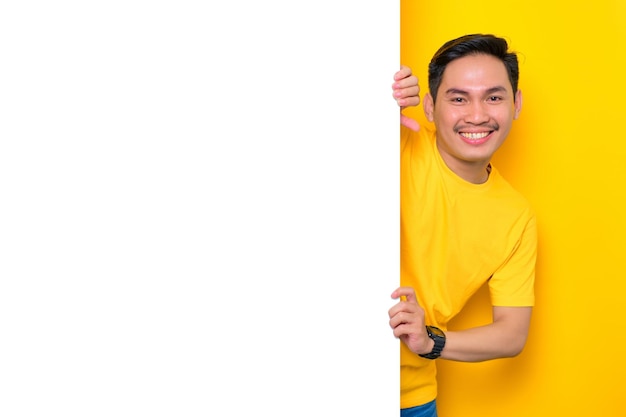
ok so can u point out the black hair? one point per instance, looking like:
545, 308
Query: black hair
474, 44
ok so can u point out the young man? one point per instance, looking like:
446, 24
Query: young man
462, 224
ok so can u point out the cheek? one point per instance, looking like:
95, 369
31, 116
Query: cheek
508, 117
446, 119
440, 114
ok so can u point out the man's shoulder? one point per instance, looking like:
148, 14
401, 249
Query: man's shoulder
411, 139
508, 192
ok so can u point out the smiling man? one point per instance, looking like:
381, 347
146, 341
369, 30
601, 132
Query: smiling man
462, 224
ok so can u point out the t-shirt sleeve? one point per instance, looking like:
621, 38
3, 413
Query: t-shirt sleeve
512, 285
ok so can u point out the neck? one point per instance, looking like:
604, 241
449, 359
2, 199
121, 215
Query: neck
474, 174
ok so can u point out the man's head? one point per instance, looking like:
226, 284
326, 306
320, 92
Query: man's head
471, 45
473, 101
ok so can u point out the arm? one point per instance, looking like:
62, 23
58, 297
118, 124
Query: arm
512, 285
406, 93
504, 337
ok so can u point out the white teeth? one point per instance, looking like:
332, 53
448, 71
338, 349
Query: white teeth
474, 136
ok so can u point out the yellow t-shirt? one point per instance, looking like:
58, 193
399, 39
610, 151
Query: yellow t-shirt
455, 236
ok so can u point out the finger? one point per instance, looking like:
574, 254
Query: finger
408, 292
403, 103
413, 91
407, 82
395, 321
402, 73
404, 331
402, 307
401, 331
407, 122
408, 102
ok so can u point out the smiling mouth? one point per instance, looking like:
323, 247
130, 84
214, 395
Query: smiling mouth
474, 136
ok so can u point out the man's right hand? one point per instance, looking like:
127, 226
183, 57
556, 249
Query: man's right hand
406, 93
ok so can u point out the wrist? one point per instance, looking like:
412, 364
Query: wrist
438, 341
428, 347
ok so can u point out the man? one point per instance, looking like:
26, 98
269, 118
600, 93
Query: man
462, 224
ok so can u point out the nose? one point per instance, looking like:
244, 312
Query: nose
477, 113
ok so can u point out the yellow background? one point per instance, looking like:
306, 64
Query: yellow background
567, 154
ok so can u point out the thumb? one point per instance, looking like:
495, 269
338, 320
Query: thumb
409, 123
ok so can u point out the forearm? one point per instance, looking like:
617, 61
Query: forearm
504, 337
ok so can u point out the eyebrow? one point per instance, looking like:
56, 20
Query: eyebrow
497, 89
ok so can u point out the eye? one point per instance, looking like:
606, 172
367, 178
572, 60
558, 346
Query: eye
457, 100
494, 99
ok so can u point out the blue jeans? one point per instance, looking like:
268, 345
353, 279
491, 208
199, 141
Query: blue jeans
426, 410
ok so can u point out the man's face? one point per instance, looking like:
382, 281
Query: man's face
474, 112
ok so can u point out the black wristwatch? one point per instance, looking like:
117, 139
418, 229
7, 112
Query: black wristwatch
440, 341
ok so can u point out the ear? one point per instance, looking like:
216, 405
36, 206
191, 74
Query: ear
518, 104
429, 107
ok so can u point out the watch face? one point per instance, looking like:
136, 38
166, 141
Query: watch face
436, 331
